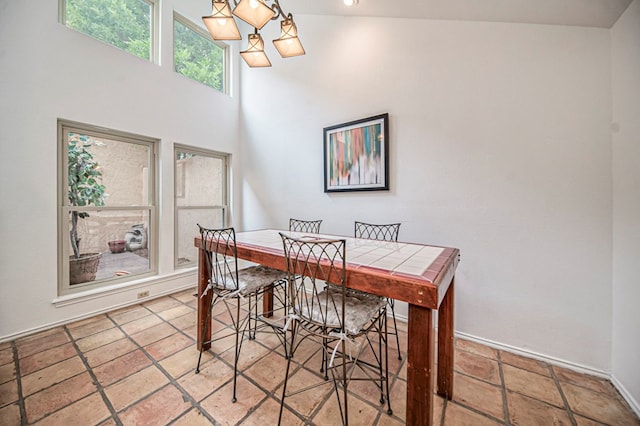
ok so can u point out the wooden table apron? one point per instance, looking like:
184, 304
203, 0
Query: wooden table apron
423, 296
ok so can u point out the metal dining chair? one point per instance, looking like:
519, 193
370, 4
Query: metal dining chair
386, 232
311, 226
342, 322
230, 287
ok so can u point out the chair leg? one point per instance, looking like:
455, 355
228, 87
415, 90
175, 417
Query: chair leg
386, 364
286, 374
207, 323
395, 326
237, 354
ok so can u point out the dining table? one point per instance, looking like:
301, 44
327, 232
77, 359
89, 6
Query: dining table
419, 274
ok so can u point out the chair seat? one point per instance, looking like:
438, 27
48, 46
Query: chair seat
251, 279
359, 308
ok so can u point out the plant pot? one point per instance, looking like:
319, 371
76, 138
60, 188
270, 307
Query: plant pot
117, 246
83, 269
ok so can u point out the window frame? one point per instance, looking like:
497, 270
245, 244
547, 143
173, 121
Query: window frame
225, 190
154, 30
64, 208
201, 31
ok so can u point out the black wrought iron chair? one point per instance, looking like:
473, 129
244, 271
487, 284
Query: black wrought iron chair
311, 226
386, 232
340, 321
232, 287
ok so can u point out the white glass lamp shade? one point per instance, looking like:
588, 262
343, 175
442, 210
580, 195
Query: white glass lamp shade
254, 56
254, 12
288, 44
220, 23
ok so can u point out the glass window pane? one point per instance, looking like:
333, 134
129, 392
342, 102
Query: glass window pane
196, 56
199, 180
124, 168
119, 238
125, 24
188, 229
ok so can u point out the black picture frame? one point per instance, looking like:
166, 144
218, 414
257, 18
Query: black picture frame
356, 155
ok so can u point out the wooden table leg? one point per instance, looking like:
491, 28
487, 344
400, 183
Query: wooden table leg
267, 301
420, 366
203, 303
446, 344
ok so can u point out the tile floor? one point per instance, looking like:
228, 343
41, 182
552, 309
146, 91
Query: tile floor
135, 366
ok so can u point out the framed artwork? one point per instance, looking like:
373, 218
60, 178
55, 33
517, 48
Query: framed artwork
356, 155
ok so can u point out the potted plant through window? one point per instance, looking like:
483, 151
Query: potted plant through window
85, 189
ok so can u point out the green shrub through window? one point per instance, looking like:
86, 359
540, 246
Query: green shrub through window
196, 55
125, 24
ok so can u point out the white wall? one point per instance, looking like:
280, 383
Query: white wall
48, 71
625, 44
499, 145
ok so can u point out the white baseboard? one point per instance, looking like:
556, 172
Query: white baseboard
635, 406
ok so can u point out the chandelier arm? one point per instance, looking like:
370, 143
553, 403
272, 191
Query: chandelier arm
278, 12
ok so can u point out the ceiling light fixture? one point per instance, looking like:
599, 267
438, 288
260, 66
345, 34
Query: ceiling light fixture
257, 13
350, 2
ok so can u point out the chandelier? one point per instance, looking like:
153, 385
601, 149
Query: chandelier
256, 13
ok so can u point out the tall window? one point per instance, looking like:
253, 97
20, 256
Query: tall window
108, 215
126, 24
201, 197
197, 56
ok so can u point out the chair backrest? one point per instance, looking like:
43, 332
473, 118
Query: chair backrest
311, 226
221, 256
311, 264
387, 232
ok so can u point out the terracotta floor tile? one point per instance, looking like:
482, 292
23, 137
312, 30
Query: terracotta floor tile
456, 415
597, 406
477, 366
135, 387
305, 402
181, 362
221, 408
213, 374
58, 396
101, 324
268, 372
529, 364
399, 400
168, 346
267, 414
193, 418
6, 356
51, 375
10, 415
184, 321
593, 383
56, 389
88, 411
41, 342
121, 367
532, 412
8, 392
360, 413
109, 352
141, 324
7, 373
46, 358
153, 334
177, 311
99, 339
159, 408
479, 395
532, 384
476, 348
127, 315
161, 304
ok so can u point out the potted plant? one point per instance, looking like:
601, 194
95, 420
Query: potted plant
85, 189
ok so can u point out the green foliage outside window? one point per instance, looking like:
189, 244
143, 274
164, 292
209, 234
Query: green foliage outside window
125, 24
198, 57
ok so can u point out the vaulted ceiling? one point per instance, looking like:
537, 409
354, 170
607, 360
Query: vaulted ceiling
585, 13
